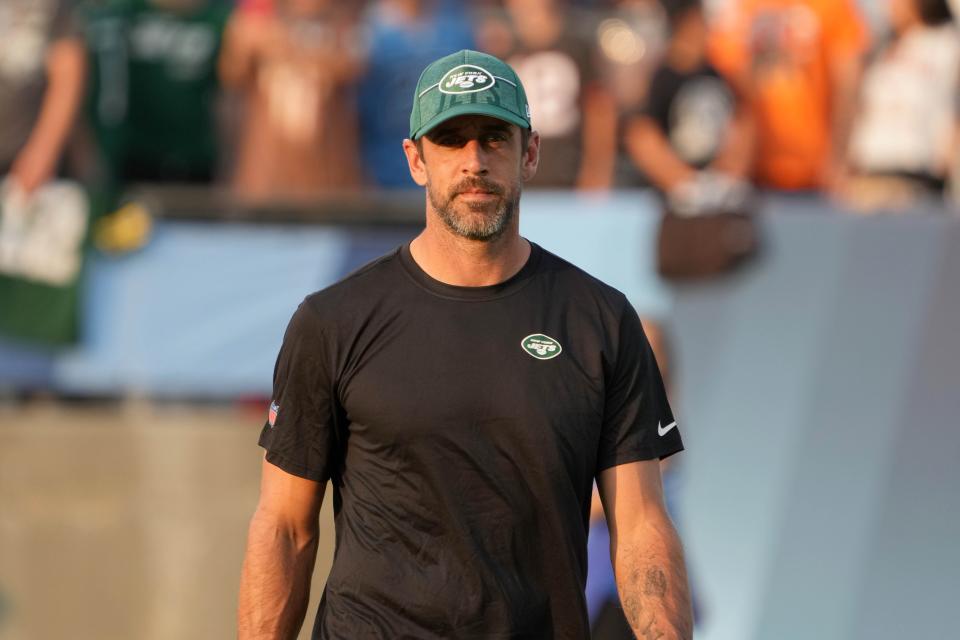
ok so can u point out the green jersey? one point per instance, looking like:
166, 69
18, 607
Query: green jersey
153, 87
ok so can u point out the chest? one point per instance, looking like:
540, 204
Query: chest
518, 376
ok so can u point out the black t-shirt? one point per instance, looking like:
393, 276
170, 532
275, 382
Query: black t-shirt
462, 428
693, 110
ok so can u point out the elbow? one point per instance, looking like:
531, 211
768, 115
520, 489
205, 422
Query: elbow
271, 527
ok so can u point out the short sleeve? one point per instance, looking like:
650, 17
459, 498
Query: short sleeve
637, 423
659, 96
66, 22
300, 432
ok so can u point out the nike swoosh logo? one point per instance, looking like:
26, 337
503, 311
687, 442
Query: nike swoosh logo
663, 430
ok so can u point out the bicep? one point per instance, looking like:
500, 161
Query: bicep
289, 498
632, 495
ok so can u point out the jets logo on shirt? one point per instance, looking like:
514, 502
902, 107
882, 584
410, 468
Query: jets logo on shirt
466, 78
541, 347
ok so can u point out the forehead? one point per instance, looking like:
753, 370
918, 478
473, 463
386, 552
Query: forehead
472, 123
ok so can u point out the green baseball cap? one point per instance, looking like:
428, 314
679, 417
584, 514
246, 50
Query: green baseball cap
467, 82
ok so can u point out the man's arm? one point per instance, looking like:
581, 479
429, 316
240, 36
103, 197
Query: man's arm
281, 550
652, 153
598, 140
736, 155
66, 78
646, 552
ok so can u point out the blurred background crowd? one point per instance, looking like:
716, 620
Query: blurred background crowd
294, 99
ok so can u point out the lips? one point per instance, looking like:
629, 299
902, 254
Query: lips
477, 189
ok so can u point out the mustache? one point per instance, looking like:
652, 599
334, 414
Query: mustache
476, 182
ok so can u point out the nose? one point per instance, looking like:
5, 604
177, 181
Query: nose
474, 158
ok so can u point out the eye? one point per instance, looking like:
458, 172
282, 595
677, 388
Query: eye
495, 137
449, 140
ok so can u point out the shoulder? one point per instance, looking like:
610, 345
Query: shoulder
572, 281
359, 289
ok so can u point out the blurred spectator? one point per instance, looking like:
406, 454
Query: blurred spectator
154, 85
800, 61
694, 137
553, 51
404, 36
631, 39
42, 72
153, 88
43, 222
905, 134
296, 63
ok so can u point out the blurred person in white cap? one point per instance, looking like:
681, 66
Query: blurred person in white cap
461, 394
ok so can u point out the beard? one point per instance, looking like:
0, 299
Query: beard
484, 221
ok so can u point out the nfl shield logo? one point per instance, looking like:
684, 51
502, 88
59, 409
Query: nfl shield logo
272, 416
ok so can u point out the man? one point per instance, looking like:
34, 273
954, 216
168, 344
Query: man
294, 65
461, 394
693, 137
153, 90
800, 63
42, 75
43, 219
402, 37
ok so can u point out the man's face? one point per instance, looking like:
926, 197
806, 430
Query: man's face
472, 167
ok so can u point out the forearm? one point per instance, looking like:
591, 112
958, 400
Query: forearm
66, 69
736, 155
275, 581
652, 153
242, 39
599, 140
846, 80
652, 581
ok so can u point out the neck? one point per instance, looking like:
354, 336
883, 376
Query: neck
462, 262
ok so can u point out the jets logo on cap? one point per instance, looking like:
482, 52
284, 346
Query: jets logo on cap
466, 78
541, 347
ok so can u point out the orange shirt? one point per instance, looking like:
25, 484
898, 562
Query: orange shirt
782, 51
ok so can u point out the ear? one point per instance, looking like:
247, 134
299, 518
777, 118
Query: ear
418, 170
531, 157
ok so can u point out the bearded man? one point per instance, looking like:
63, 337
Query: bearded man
461, 394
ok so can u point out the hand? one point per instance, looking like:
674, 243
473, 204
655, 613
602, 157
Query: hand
592, 180
33, 167
835, 180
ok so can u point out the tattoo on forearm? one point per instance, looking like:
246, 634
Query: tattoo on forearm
655, 583
651, 582
649, 632
654, 595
